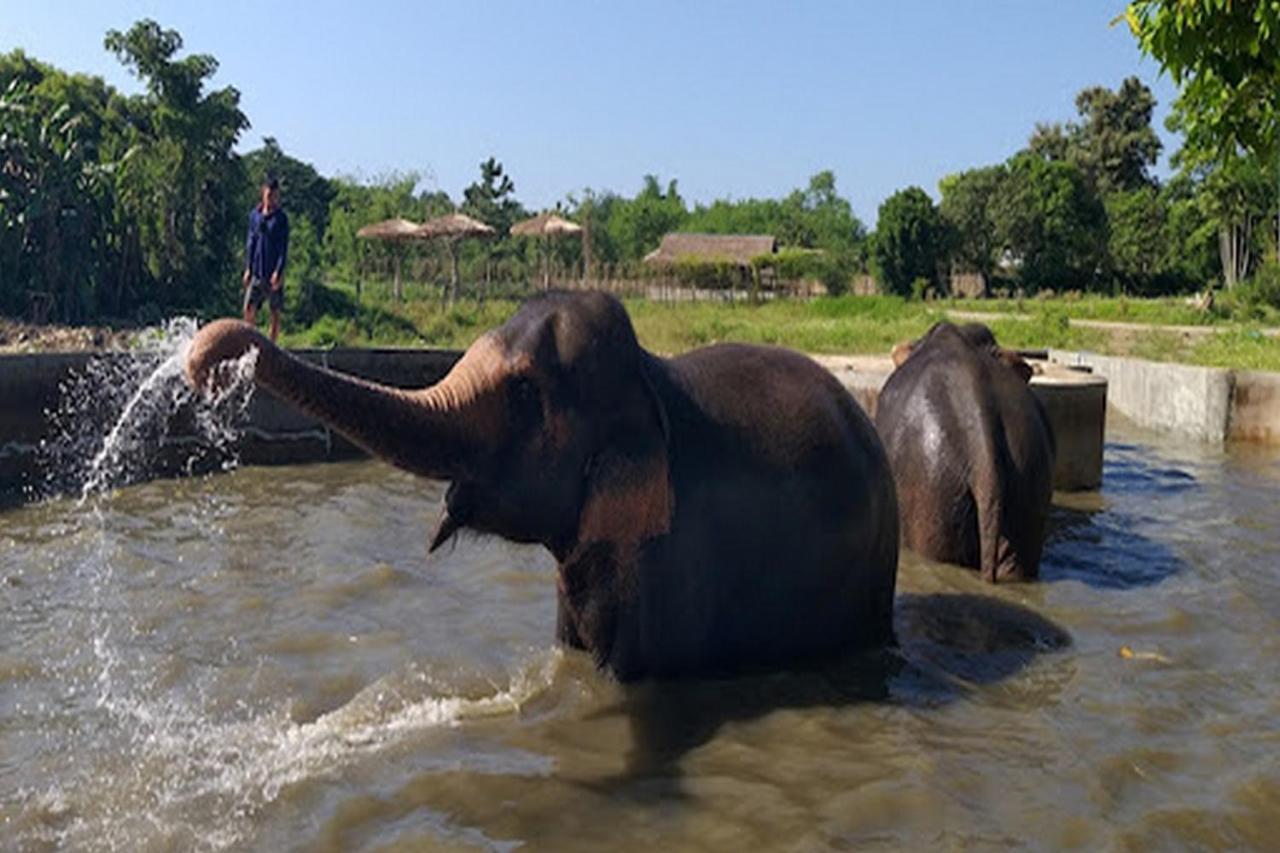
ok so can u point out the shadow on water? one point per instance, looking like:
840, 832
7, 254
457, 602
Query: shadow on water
948, 646
1097, 538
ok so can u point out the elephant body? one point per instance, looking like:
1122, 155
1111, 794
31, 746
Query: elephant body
972, 452
726, 510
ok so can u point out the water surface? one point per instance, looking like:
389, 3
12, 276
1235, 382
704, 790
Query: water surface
269, 660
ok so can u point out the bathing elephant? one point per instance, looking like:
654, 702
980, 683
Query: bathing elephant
972, 452
727, 510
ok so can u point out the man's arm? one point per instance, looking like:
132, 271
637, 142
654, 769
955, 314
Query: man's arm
278, 273
248, 249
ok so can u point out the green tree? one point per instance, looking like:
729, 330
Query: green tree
1190, 236
1051, 140
51, 221
492, 198
1113, 144
182, 186
1224, 55
637, 225
1051, 222
966, 207
908, 241
1135, 221
359, 203
305, 191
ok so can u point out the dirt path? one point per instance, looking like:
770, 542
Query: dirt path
1114, 326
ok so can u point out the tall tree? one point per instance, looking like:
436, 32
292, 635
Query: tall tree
51, 209
967, 207
492, 198
183, 185
1224, 55
1135, 222
1116, 144
1113, 144
638, 224
908, 241
1050, 220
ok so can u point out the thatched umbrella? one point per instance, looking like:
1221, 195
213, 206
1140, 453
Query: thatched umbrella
395, 231
451, 228
545, 225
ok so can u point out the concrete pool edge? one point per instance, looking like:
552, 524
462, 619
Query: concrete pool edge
1212, 405
1209, 404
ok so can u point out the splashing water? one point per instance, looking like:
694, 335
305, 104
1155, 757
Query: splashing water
127, 416
194, 772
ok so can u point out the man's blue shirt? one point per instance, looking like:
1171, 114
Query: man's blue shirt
267, 247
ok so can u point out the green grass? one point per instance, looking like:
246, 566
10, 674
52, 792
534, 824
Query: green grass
850, 324
1162, 311
1245, 349
839, 325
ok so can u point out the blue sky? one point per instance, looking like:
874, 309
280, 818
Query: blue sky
732, 99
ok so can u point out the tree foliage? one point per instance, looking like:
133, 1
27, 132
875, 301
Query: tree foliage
1113, 144
967, 208
909, 240
1052, 224
1224, 55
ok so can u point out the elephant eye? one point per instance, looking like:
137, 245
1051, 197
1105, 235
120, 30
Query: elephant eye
526, 403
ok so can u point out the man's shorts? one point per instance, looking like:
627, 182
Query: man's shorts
259, 290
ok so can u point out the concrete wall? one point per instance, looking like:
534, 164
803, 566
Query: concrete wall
1202, 403
275, 432
1255, 408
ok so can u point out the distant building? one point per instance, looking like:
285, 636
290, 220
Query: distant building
739, 249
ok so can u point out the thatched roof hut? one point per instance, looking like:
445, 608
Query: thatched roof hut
396, 231
547, 224
455, 225
451, 228
390, 229
735, 248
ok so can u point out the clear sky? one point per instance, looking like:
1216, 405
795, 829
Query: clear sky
733, 99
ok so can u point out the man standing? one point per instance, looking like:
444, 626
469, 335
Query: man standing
265, 251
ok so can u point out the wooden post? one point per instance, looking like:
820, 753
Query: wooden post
453, 269
399, 253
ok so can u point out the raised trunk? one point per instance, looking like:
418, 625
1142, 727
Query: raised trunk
431, 431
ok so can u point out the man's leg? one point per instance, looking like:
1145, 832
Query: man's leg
251, 302
276, 300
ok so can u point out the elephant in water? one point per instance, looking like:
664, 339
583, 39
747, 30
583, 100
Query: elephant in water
727, 510
972, 452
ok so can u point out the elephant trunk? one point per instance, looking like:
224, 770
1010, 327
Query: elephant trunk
434, 432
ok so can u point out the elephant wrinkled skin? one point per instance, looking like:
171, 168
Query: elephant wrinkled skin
727, 510
972, 452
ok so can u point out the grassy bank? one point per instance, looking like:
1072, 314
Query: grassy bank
835, 325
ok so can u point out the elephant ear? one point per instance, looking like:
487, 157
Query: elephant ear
628, 491
1015, 362
902, 351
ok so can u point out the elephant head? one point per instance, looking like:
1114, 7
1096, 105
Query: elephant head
979, 337
547, 427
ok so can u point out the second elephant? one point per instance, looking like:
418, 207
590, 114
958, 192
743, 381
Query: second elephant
972, 452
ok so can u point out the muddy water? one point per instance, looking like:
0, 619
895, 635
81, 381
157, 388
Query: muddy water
269, 660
